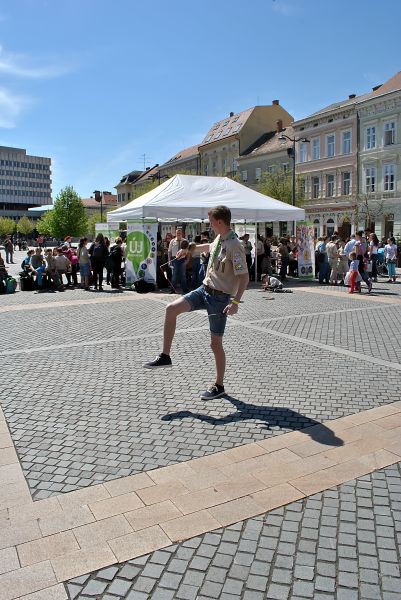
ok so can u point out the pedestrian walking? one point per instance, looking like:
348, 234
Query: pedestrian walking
220, 294
390, 254
9, 250
353, 274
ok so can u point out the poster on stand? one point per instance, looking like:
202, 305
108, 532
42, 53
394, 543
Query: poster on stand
306, 250
141, 251
110, 230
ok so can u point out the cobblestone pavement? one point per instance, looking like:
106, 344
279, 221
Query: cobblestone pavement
344, 543
81, 410
90, 413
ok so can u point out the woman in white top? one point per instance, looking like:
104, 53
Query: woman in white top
390, 255
373, 248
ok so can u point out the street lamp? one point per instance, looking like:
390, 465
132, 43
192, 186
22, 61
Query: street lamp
291, 154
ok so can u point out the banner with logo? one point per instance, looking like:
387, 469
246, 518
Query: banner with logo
141, 251
306, 250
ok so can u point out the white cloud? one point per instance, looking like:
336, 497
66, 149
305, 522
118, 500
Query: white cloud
283, 8
18, 65
11, 107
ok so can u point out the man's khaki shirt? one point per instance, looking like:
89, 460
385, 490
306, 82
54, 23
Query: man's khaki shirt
226, 264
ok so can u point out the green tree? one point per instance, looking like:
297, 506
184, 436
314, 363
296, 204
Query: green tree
45, 224
68, 216
7, 226
25, 226
278, 185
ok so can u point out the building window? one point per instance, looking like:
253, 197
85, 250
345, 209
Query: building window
235, 165
123, 197
370, 179
370, 138
389, 178
214, 167
303, 152
258, 174
330, 186
129, 195
225, 165
389, 133
285, 167
346, 142
346, 183
244, 176
206, 170
315, 187
330, 145
330, 227
316, 149
316, 228
270, 168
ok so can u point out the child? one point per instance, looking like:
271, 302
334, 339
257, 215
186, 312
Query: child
353, 274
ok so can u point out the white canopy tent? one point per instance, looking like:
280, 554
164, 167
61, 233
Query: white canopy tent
186, 198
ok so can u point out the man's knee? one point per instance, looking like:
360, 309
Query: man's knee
216, 343
177, 307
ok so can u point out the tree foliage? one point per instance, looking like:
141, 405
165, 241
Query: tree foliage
25, 226
278, 185
7, 226
367, 210
93, 219
68, 216
44, 225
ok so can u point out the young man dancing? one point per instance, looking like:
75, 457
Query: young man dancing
220, 293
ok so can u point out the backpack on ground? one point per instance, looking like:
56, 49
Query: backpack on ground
144, 287
11, 285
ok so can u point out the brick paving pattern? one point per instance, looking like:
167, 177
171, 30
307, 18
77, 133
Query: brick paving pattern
343, 543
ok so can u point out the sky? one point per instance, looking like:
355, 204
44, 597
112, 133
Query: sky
95, 84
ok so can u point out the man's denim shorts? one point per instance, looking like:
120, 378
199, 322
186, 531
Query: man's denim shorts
84, 270
200, 299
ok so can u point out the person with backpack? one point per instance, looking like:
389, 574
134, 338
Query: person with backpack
116, 257
98, 253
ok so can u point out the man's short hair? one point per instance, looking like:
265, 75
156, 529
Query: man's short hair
221, 213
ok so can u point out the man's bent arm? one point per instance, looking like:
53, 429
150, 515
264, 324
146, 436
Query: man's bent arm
243, 284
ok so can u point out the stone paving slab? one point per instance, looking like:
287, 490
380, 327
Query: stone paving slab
343, 543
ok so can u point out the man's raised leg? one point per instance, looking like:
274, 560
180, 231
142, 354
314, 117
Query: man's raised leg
174, 309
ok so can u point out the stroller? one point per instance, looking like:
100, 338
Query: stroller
381, 263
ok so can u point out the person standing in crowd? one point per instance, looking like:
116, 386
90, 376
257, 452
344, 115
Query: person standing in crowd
284, 253
259, 253
323, 261
390, 255
84, 263
332, 255
342, 262
9, 250
266, 259
98, 253
204, 258
350, 245
178, 265
73, 269
196, 280
220, 294
248, 251
373, 253
360, 249
116, 257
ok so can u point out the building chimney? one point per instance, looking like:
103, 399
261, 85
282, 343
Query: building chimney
231, 114
279, 126
276, 102
376, 87
352, 96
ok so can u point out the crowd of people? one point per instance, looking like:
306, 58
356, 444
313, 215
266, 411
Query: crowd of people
48, 269
57, 269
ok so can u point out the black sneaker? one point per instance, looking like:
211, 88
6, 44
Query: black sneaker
160, 361
215, 391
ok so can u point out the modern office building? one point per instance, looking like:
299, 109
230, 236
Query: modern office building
25, 182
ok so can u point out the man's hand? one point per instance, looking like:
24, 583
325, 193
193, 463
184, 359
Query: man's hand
181, 254
231, 309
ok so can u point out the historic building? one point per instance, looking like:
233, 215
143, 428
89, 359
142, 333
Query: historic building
234, 136
25, 182
186, 161
379, 203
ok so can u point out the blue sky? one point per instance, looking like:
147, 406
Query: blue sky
95, 84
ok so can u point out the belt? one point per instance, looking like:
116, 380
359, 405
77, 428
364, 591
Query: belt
213, 292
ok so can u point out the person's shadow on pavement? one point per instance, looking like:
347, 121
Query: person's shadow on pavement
273, 417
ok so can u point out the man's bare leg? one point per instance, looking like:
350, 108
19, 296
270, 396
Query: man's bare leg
170, 321
219, 357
